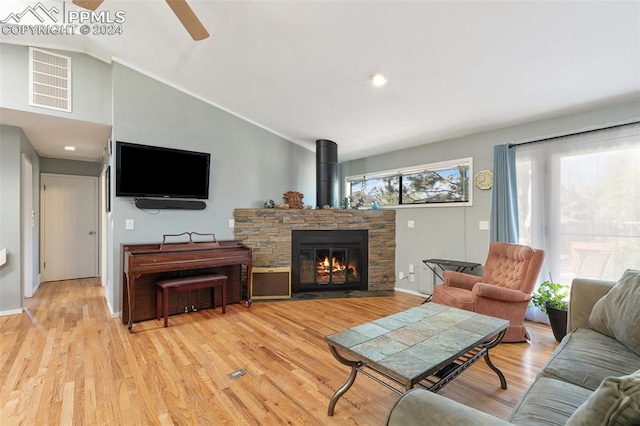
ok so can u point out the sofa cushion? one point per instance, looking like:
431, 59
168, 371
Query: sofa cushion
617, 314
615, 402
549, 402
586, 357
420, 406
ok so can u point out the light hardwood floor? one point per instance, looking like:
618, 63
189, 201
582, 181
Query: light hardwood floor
66, 361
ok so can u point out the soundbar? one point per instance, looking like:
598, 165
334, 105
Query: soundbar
148, 203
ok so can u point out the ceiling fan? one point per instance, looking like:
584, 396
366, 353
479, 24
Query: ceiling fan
180, 7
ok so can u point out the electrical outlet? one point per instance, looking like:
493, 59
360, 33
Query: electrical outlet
483, 225
411, 224
412, 277
401, 275
129, 224
232, 223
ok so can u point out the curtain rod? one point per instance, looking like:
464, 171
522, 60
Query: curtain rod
511, 145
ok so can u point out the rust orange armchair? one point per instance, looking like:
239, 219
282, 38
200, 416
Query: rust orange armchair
504, 290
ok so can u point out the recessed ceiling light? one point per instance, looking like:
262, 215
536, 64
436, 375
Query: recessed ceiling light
69, 148
378, 79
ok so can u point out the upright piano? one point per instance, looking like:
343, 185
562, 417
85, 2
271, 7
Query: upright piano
144, 264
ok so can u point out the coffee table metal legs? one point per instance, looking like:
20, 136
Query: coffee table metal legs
489, 345
352, 378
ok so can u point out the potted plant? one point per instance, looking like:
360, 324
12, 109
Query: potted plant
553, 299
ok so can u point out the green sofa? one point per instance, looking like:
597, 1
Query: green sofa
592, 378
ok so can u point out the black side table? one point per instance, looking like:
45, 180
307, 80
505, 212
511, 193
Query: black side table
439, 265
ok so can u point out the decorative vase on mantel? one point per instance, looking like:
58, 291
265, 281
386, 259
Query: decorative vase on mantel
558, 321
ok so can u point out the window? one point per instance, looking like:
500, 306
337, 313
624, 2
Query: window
445, 183
578, 198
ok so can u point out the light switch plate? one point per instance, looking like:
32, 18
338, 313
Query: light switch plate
128, 224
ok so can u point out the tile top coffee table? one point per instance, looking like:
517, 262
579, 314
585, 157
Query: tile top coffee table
428, 345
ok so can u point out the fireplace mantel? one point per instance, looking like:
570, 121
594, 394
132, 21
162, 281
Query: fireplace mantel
268, 233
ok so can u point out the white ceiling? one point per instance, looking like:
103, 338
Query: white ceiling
300, 68
49, 134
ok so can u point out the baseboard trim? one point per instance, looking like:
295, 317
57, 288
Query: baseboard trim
111, 312
415, 293
11, 312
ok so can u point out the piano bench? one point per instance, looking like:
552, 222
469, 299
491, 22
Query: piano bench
181, 285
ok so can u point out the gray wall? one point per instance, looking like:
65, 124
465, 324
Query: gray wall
27, 149
13, 143
69, 167
453, 232
248, 164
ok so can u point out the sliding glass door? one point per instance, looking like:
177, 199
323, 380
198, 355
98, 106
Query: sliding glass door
579, 199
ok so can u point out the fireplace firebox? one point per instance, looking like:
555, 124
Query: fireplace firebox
329, 260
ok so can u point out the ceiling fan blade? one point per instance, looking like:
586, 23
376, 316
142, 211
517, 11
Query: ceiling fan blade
189, 19
88, 4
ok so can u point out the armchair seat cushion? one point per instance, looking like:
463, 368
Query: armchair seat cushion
500, 293
454, 297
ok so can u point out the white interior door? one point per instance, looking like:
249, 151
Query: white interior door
70, 241
27, 227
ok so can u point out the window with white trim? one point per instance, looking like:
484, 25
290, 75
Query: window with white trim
444, 183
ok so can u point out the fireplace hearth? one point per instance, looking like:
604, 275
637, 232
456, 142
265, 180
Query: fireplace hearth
329, 260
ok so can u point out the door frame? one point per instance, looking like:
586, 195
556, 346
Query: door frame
28, 224
43, 213
104, 214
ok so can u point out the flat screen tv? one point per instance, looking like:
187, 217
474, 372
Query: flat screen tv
151, 171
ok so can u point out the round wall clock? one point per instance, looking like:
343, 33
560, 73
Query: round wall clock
484, 179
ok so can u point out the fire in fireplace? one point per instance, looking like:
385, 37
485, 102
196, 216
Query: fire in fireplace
329, 266
329, 260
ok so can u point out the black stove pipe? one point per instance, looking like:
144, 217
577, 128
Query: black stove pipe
326, 173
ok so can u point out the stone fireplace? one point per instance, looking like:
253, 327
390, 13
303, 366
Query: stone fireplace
358, 252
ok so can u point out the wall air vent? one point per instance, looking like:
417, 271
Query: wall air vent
49, 80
